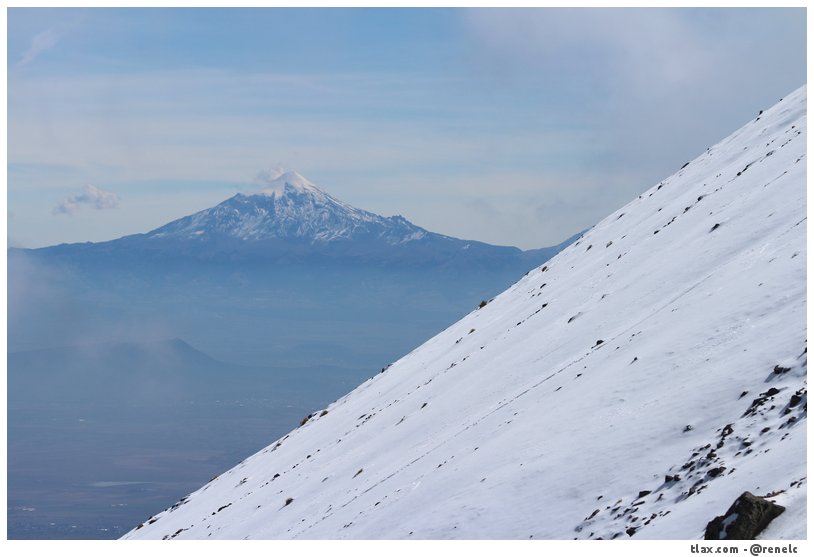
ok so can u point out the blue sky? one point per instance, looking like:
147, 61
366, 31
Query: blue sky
512, 127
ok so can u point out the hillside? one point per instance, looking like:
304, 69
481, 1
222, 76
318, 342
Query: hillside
634, 385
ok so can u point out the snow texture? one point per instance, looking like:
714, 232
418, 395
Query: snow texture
635, 385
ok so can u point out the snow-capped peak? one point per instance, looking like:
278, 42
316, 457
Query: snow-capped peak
289, 206
277, 185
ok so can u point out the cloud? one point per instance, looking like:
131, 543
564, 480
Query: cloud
273, 172
39, 44
92, 196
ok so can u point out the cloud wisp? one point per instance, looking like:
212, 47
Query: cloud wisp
39, 44
91, 196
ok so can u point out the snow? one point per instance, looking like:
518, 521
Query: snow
289, 181
290, 206
669, 341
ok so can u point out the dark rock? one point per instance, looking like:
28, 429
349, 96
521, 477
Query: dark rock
772, 392
715, 472
778, 370
643, 493
744, 520
631, 531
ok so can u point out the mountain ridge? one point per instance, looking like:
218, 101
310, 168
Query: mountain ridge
291, 219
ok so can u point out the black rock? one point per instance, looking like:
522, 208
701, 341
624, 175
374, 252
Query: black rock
715, 472
744, 520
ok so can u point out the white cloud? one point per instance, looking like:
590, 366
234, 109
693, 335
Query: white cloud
91, 196
39, 44
273, 172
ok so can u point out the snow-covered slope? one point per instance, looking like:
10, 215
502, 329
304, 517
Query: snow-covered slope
634, 385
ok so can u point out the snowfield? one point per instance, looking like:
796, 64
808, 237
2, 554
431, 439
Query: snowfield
634, 385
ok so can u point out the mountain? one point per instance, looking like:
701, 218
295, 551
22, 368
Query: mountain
634, 385
289, 207
292, 220
146, 372
257, 274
